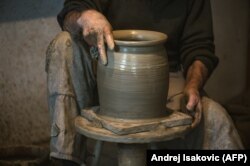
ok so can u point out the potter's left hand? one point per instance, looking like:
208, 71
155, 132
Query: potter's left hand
196, 78
193, 97
193, 104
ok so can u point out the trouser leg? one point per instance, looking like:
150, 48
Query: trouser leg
71, 87
219, 130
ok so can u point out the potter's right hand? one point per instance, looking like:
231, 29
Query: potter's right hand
96, 31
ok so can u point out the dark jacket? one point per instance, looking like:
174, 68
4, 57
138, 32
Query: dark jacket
188, 24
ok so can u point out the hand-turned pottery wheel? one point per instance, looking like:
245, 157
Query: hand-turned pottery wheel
133, 89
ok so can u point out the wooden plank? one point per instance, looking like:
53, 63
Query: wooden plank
84, 127
128, 126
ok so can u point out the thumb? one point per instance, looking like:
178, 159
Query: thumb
192, 102
198, 115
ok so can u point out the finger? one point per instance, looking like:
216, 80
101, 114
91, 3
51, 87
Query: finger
198, 115
109, 39
90, 37
101, 48
90, 40
192, 102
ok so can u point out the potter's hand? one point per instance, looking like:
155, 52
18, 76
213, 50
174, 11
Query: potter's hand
192, 97
196, 78
96, 31
192, 105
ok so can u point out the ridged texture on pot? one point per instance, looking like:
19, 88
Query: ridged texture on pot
134, 84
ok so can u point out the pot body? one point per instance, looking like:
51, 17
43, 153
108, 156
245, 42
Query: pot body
134, 83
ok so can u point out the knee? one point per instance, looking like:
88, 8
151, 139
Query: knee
60, 49
213, 111
62, 41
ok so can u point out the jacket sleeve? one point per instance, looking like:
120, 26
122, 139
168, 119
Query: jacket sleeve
197, 41
79, 5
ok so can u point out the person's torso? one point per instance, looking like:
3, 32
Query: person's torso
167, 16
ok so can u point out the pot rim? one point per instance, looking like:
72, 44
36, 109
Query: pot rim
138, 37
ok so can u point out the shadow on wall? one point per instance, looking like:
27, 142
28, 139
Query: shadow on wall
14, 10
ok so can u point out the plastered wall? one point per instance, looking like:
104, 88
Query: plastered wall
231, 25
26, 28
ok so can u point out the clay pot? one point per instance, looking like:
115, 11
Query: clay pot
134, 83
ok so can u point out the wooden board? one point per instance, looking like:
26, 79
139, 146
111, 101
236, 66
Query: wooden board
129, 126
161, 133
